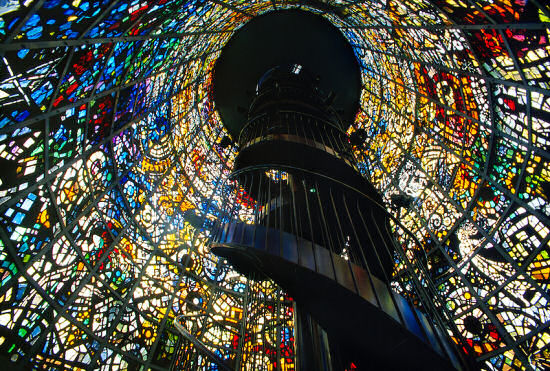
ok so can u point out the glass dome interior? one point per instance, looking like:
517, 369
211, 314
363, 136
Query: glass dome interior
113, 158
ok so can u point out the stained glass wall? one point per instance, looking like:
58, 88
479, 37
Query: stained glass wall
111, 170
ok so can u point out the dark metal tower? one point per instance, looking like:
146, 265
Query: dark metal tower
298, 212
296, 167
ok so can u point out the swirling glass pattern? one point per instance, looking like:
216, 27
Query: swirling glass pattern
113, 162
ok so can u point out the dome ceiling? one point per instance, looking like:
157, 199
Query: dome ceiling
112, 166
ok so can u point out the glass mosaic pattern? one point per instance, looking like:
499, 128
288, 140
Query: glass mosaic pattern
111, 171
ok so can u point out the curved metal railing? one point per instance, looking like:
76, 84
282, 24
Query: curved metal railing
300, 125
285, 198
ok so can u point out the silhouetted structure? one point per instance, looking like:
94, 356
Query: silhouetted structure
299, 212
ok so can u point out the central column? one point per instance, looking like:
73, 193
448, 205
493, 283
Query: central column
295, 163
301, 213
297, 211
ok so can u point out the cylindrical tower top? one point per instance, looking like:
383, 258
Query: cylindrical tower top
285, 38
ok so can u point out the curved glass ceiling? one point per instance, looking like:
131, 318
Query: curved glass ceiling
111, 169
